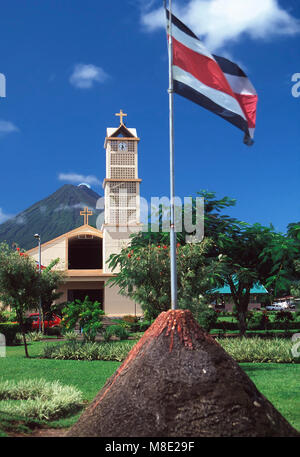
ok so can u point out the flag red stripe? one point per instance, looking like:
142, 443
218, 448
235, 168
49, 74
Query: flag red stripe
201, 67
248, 104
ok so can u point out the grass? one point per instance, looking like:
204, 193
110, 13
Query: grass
278, 382
89, 377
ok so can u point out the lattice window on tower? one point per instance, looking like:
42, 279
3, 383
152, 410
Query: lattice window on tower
123, 187
123, 158
123, 201
131, 146
114, 216
122, 216
122, 172
114, 145
131, 216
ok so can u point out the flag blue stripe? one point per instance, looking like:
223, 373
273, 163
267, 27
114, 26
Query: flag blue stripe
229, 67
196, 97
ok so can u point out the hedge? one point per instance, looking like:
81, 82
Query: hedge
258, 326
9, 330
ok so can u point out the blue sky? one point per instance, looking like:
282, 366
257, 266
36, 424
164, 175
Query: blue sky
71, 65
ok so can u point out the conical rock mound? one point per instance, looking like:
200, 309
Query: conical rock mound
178, 382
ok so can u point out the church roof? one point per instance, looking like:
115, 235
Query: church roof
110, 131
82, 229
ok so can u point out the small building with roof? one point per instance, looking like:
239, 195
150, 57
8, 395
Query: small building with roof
224, 300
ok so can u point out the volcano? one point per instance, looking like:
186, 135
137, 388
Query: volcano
51, 217
177, 381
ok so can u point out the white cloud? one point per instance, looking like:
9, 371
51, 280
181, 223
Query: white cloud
222, 21
63, 207
85, 75
7, 127
20, 219
77, 178
4, 217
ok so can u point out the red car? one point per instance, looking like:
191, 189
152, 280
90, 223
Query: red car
51, 320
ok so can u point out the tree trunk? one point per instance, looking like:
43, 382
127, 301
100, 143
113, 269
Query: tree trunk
20, 318
242, 322
43, 322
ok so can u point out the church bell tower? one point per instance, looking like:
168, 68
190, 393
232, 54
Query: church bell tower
121, 189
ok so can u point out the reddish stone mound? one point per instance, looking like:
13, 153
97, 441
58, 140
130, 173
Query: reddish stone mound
178, 382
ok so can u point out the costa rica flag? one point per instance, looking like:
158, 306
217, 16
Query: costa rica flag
213, 82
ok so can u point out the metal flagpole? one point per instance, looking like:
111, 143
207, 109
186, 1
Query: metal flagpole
172, 186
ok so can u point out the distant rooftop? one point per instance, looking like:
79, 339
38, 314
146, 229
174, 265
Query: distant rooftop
256, 289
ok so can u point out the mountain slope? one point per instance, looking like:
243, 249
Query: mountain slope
51, 217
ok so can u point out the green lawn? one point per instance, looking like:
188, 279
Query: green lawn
278, 382
89, 377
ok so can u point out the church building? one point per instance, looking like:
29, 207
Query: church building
83, 252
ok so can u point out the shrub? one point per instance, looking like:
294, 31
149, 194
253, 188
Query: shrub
9, 330
70, 336
39, 399
277, 350
225, 325
285, 316
34, 336
8, 316
87, 313
258, 350
109, 332
121, 332
144, 325
19, 339
89, 351
116, 330
132, 323
258, 320
207, 319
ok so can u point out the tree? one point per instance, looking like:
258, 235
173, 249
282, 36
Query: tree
145, 275
19, 284
50, 280
295, 288
87, 313
280, 255
215, 223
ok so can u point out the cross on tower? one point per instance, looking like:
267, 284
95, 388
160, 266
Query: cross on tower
86, 213
121, 114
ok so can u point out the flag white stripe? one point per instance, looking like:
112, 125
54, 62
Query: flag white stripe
190, 42
220, 98
251, 132
240, 85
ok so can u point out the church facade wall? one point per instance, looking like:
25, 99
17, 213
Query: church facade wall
116, 305
51, 251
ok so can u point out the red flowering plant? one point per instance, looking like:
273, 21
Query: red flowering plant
144, 275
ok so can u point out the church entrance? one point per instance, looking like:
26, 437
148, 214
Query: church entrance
85, 253
80, 294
